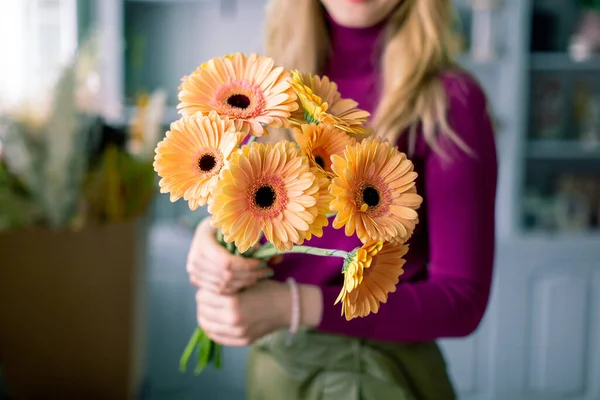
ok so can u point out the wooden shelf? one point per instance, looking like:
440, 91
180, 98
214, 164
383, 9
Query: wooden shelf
589, 236
562, 150
562, 62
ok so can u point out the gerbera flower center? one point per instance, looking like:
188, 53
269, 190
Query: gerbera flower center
239, 101
207, 162
265, 197
371, 196
320, 162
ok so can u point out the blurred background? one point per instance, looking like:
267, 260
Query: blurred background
539, 61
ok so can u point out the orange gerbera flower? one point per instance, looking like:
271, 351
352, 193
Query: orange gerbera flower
192, 154
321, 102
320, 142
371, 273
247, 88
267, 188
374, 192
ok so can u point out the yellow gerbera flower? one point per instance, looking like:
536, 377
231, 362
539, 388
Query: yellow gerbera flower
320, 142
268, 188
247, 88
371, 273
321, 210
374, 192
321, 102
192, 154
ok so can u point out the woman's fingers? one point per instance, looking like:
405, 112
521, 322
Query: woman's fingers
220, 318
225, 283
210, 265
225, 334
229, 272
251, 278
205, 284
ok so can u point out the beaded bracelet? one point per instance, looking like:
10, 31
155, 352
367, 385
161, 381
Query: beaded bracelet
295, 320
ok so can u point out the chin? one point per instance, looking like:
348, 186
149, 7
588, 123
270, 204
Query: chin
359, 13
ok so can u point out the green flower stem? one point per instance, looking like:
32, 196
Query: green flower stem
230, 247
251, 140
331, 214
207, 350
269, 251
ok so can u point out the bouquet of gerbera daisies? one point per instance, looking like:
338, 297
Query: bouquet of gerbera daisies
287, 191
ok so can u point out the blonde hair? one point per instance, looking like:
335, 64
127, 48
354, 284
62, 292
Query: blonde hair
420, 44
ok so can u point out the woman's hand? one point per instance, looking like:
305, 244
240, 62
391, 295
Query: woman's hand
242, 318
213, 268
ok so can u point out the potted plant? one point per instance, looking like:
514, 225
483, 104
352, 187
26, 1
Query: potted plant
74, 191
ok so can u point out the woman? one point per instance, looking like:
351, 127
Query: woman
395, 57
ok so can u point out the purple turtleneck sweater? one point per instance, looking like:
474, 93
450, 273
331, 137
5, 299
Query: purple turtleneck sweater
445, 288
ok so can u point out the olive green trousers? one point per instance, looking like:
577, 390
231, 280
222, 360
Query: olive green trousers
333, 367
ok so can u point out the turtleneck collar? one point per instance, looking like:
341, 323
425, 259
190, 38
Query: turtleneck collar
354, 51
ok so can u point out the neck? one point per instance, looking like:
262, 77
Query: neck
354, 51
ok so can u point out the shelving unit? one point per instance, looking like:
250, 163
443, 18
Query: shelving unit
562, 61
562, 137
562, 150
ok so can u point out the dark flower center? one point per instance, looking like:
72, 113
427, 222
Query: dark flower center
207, 162
371, 196
239, 101
265, 197
320, 162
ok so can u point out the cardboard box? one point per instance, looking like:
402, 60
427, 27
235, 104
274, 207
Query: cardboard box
72, 312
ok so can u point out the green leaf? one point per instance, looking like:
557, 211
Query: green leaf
16, 209
218, 355
130, 195
204, 353
189, 349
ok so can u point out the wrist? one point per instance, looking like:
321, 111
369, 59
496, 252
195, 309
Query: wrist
311, 305
284, 304
310, 299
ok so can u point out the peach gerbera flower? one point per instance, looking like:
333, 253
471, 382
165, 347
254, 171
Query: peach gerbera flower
374, 192
247, 88
265, 188
321, 102
371, 273
192, 154
320, 142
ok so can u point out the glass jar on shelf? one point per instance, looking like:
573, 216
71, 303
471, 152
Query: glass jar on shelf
586, 109
550, 109
573, 205
538, 211
585, 42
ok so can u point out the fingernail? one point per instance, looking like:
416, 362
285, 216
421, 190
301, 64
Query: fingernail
269, 273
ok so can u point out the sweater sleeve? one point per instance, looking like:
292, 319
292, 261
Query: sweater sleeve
460, 201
